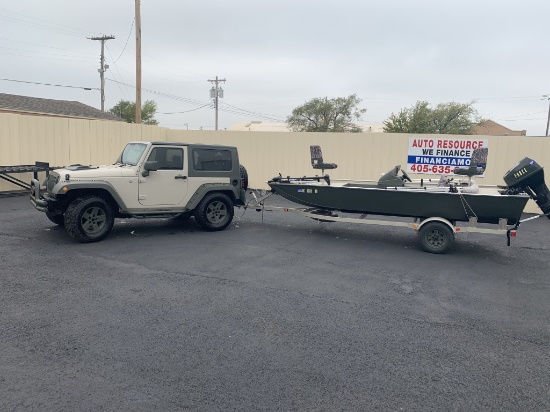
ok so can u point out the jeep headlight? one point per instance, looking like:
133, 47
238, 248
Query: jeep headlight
52, 180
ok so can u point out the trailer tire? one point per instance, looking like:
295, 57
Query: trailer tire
436, 237
89, 219
57, 219
214, 212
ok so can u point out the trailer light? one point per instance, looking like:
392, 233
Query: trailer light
512, 233
457, 229
65, 188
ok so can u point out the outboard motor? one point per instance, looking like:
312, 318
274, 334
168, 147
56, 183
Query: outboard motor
528, 176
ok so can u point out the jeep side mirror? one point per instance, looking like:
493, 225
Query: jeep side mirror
150, 165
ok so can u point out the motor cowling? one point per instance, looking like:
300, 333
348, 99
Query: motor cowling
528, 176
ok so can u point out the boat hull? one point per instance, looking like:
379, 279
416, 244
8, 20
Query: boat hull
488, 208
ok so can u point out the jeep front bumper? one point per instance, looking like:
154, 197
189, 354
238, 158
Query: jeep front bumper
37, 200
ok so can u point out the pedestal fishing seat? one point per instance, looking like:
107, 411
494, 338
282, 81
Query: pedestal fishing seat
317, 159
478, 163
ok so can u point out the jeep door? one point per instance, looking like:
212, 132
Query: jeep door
166, 186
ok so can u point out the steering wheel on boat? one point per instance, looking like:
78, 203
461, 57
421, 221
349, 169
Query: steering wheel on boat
405, 175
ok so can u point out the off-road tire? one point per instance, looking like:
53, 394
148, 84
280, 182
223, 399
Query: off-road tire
214, 212
89, 219
57, 219
436, 237
244, 177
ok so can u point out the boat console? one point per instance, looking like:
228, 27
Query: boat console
528, 176
391, 179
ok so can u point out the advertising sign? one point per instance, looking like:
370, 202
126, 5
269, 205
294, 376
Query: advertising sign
443, 155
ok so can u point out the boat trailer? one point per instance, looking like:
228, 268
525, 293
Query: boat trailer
435, 234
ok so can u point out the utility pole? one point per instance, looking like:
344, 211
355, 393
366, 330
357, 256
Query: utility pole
103, 66
215, 93
546, 97
138, 62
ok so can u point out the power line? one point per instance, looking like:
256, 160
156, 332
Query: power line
43, 45
169, 96
126, 44
187, 111
119, 74
519, 115
46, 21
233, 110
33, 51
40, 26
50, 84
48, 58
238, 110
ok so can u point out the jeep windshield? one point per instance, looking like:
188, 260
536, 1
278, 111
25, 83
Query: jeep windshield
131, 154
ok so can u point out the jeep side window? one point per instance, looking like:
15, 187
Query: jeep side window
212, 160
167, 158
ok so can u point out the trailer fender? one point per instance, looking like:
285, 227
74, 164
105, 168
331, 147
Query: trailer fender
435, 219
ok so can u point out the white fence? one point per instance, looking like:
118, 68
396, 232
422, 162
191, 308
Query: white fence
26, 139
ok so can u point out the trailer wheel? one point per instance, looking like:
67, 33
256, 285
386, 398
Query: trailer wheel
57, 219
214, 212
89, 219
436, 237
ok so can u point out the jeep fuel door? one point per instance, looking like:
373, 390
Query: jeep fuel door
166, 186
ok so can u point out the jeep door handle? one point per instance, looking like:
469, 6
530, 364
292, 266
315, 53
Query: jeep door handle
180, 177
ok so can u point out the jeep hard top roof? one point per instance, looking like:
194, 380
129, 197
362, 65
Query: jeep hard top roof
163, 143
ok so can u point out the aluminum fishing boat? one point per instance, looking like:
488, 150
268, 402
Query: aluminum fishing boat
395, 195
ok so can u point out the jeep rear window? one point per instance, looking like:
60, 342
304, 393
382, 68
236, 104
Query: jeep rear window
212, 160
132, 153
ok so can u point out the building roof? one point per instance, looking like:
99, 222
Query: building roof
492, 128
11, 103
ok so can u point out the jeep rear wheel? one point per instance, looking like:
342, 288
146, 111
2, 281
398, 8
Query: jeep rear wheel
89, 219
214, 212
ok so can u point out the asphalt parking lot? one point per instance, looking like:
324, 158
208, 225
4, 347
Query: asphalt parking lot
280, 314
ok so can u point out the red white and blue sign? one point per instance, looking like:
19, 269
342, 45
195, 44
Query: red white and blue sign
443, 155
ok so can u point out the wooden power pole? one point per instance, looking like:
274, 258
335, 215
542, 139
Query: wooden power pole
138, 62
215, 93
103, 66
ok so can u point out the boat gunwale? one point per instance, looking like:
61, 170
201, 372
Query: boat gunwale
423, 189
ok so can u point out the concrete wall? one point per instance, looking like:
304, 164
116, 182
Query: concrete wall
25, 139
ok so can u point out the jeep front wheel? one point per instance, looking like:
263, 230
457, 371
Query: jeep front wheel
89, 219
214, 212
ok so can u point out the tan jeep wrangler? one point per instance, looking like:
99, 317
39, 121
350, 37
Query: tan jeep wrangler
149, 179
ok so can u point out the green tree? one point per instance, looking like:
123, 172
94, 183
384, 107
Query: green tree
327, 115
127, 110
445, 118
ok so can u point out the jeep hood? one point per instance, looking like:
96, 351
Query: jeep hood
94, 172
